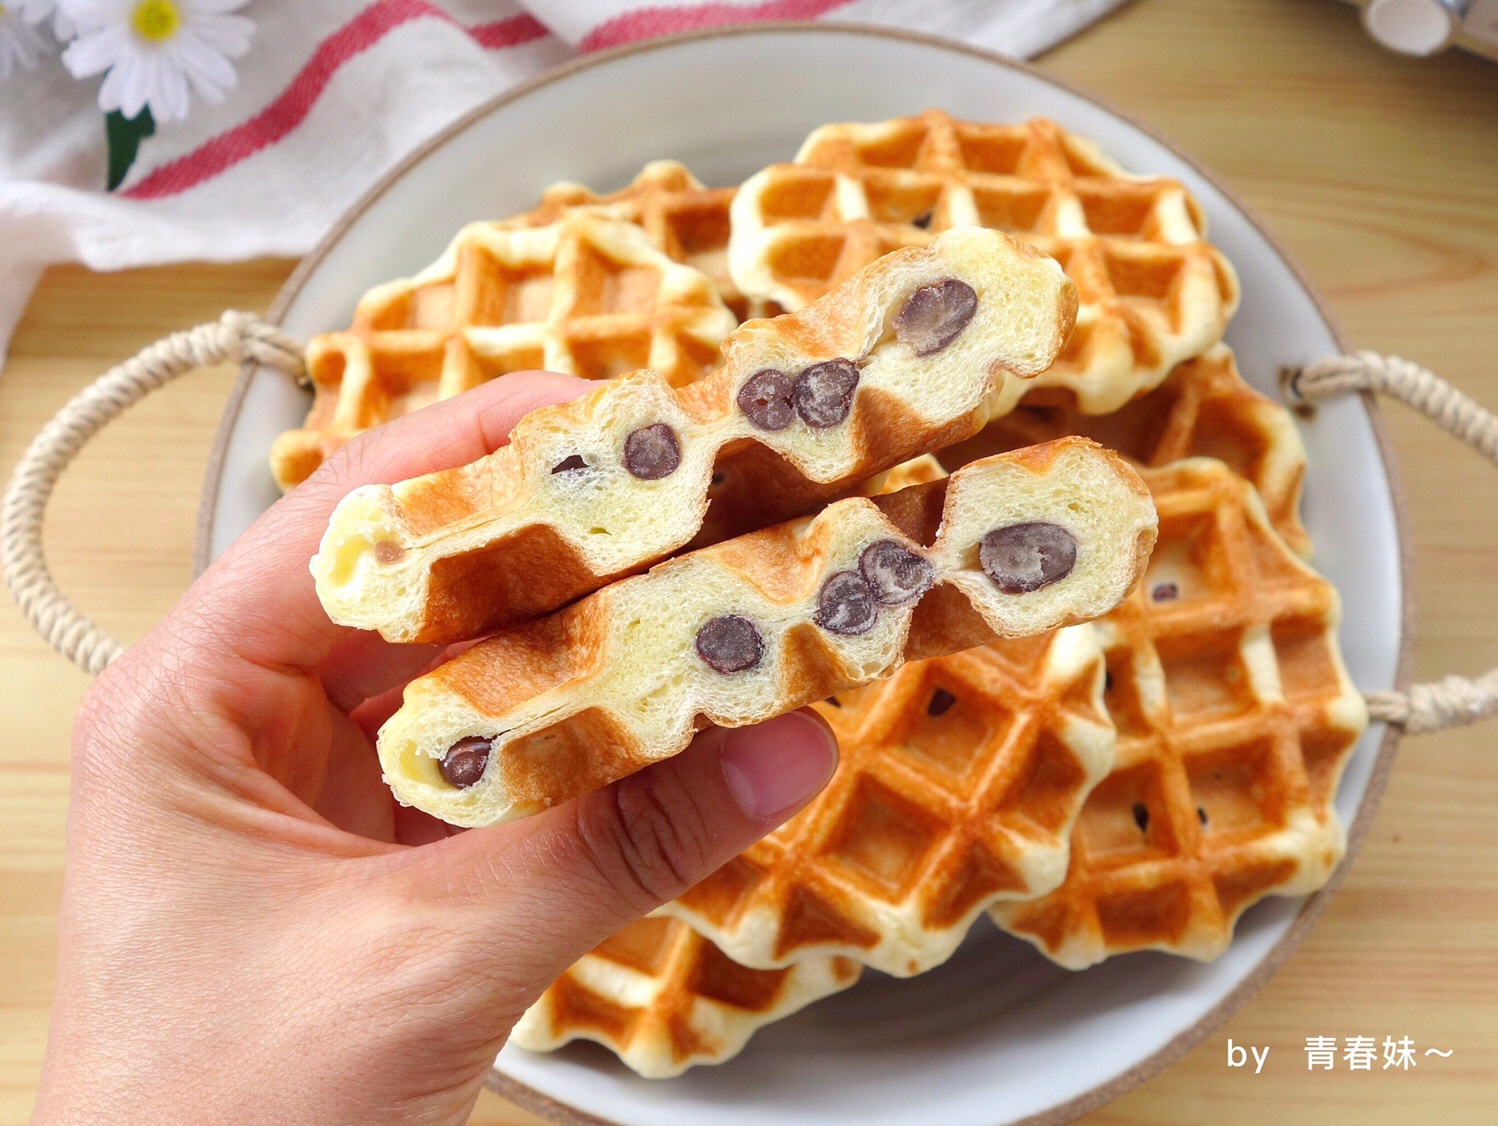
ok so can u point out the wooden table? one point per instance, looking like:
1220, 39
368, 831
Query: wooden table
1379, 173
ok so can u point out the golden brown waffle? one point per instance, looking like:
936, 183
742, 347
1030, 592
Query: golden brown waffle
737, 633
585, 295
957, 785
1235, 718
663, 998
683, 219
1152, 291
905, 357
1203, 409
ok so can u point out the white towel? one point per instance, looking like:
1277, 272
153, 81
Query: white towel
332, 94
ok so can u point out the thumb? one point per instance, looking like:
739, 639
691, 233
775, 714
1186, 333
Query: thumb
557, 884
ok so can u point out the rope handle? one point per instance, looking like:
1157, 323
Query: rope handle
234, 337
1454, 700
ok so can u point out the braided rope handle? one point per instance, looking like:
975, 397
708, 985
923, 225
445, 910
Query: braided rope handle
234, 337
1454, 700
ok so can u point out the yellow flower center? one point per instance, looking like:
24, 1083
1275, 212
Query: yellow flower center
156, 20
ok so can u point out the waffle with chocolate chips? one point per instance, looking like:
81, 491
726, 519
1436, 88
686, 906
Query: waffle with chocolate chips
958, 782
1235, 718
1203, 409
683, 219
1153, 291
663, 998
905, 357
585, 295
748, 629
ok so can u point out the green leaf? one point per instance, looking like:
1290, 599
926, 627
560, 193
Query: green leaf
125, 135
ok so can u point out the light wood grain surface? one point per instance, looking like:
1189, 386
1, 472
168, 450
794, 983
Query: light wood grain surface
1379, 173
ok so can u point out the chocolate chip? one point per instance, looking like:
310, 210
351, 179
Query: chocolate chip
834, 701
895, 573
766, 399
935, 315
823, 393
652, 452
464, 763
568, 464
730, 643
718, 478
846, 605
1201, 815
941, 702
1026, 557
1141, 816
388, 552
1165, 592
923, 220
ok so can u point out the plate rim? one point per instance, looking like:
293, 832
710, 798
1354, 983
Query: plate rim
564, 1114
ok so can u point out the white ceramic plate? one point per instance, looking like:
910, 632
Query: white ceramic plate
999, 1034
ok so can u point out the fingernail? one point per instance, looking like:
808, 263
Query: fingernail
777, 765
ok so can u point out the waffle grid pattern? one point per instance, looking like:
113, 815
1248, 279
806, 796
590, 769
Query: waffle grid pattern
1203, 409
663, 998
1235, 718
584, 295
958, 783
683, 219
1153, 292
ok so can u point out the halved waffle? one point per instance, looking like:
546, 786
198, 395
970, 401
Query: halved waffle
663, 998
1203, 409
1235, 718
958, 781
904, 357
585, 295
1153, 291
683, 219
757, 626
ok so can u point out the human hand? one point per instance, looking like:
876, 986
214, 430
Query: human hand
252, 928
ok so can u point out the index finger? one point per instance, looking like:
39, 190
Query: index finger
258, 602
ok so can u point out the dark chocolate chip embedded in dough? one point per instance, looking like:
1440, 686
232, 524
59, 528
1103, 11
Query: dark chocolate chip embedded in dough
923, 220
1025, 557
1201, 815
568, 464
652, 452
730, 643
1141, 816
464, 763
895, 573
941, 703
388, 552
766, 399
846, 605
935, 315
823, 393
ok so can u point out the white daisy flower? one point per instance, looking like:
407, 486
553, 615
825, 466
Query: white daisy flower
35, 11
20, 43
152, 49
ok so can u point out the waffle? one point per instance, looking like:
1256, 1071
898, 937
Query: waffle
957, 785
1203, 409
683, 219
584, 295
1235, 717
1152, 291
903, 358
663, 998
735, 634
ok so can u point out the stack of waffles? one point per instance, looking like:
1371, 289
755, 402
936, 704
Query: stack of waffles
1132, 783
